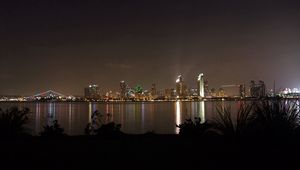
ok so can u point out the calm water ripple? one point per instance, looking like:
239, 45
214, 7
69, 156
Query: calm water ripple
135, 117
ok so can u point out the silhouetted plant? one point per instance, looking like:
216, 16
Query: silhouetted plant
193, 128
225, 124
12, 121
275, 118
88, 129
98, 127
96, 121
263, 118
53, 130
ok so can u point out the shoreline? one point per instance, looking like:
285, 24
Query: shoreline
157, 101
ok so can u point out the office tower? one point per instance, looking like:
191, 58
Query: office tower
200, 85
168, 93
206, 89
153, 89
179, 86
123, 90
92, 92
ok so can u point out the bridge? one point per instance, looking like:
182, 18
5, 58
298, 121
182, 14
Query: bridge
50, 94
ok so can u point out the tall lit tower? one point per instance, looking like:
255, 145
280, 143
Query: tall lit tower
179, 86
200, 85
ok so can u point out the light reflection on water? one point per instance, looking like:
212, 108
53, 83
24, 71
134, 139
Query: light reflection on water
201, 111
178, 115
38, 117
135, 118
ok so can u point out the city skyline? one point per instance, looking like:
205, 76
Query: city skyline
195, 85
66, 46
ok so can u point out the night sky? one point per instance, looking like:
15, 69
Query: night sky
65, 46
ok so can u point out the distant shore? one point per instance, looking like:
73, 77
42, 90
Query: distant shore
166, 100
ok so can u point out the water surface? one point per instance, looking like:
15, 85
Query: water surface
135, 117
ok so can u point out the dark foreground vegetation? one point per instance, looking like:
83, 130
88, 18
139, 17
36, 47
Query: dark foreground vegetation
262, 135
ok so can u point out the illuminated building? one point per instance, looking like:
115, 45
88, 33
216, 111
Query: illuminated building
173, 93
290, 93
153, 89
221, 92
200, 85
138, 92
109, 95
123, 87
213, 92
234, 90
153, 92
180, 87
206, 89
192, 92
126, 92
168, 93
92, 92
138, 89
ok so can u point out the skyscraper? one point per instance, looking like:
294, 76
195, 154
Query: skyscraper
123, 90
92, 92
200, 85
206, 88
179, 86
153, 89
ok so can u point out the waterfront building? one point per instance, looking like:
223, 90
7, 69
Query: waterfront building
206, 88
110, 95
123, 90
221, 93
168, 93
234, 90
153, 92
92, 92
193, 92
153, 89
200, 85
181, 89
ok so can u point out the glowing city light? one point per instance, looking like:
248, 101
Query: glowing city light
179, 79
200, 76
